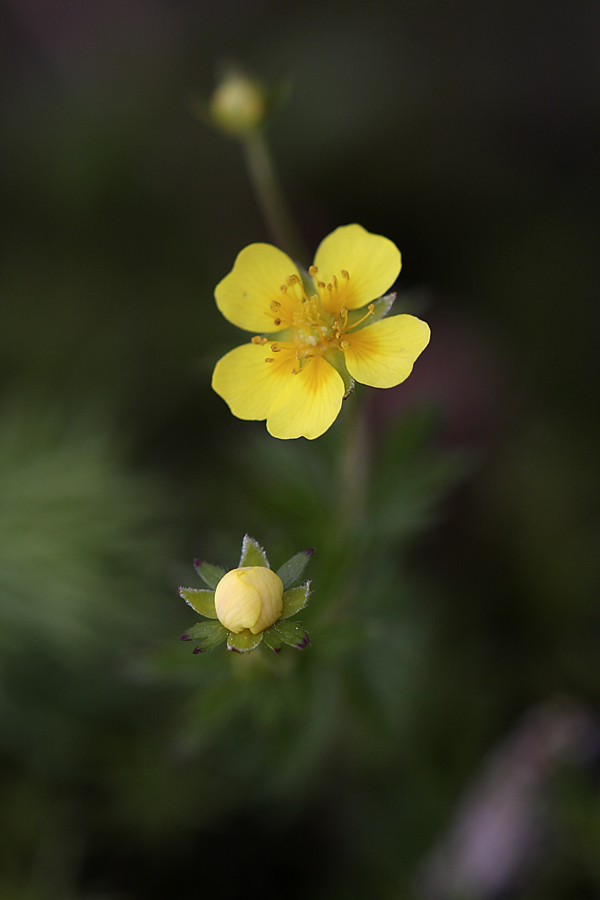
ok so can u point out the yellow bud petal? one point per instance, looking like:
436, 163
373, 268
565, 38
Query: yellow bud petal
249, 597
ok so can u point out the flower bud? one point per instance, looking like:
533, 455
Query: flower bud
249, 597
238, 104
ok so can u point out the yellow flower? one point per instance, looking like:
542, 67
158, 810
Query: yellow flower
249, 597
316, 331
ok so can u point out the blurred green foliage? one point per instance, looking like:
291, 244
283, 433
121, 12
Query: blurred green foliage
454, 520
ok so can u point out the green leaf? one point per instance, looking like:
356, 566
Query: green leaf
295, 599
201, 601
252, 553
210, 575
244, 641
291, 633
208, 634
381, 306
291, 570
273, 640
337, 359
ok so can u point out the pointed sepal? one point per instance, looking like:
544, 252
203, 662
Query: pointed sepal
201, 601
291, 570
273, 640
244, 641
291, 633
295, 599
252, 553
210, 574
208, 635
337, 359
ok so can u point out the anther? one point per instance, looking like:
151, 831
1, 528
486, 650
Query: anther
312, 270
344, 344
275, 305
257, 339
283, 288
335, 282
329, 287
343, 311
321, 284
276, 321
371, 308
345, 275
275, 348
269, 359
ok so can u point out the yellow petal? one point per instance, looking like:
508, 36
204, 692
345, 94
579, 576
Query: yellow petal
309, 404
245, 295
373, 263
382, 355
236, 602
247, 383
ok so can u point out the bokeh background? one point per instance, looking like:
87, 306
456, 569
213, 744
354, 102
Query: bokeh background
440, 738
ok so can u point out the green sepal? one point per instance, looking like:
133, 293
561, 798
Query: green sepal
291, 633
244, 641
210, 575
382, 307
252, 553
208, 634
295, 599
291, 570
201, 601
273, 640
337, 359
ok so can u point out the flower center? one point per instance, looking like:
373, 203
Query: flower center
318, 320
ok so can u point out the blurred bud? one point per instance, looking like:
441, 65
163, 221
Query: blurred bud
239, 104
250, 597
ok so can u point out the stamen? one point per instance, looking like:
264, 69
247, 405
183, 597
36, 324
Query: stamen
345, 275
269, 359
312, 270
274, 305
257, 339
275, 348
283, 288
335, 282
344, 344
276, 321
321, 284
371, 309
330, 287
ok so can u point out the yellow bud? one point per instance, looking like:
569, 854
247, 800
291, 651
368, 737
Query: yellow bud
238, 104
249, 597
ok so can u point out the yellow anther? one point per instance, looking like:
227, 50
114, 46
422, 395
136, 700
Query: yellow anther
344, 344
371, 308
276, 321
269, 359
312, 270
283, 288
275, 348
321, 284
343, 311
292, 279
335, 282
257, 339
329, 287
345, 275
295, 371
275, 305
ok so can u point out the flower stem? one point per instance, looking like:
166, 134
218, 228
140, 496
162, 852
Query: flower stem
354, 465
270, 196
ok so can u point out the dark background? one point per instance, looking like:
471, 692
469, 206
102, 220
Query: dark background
455, 630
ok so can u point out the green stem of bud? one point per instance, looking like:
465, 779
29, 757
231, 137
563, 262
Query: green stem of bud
270, 196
